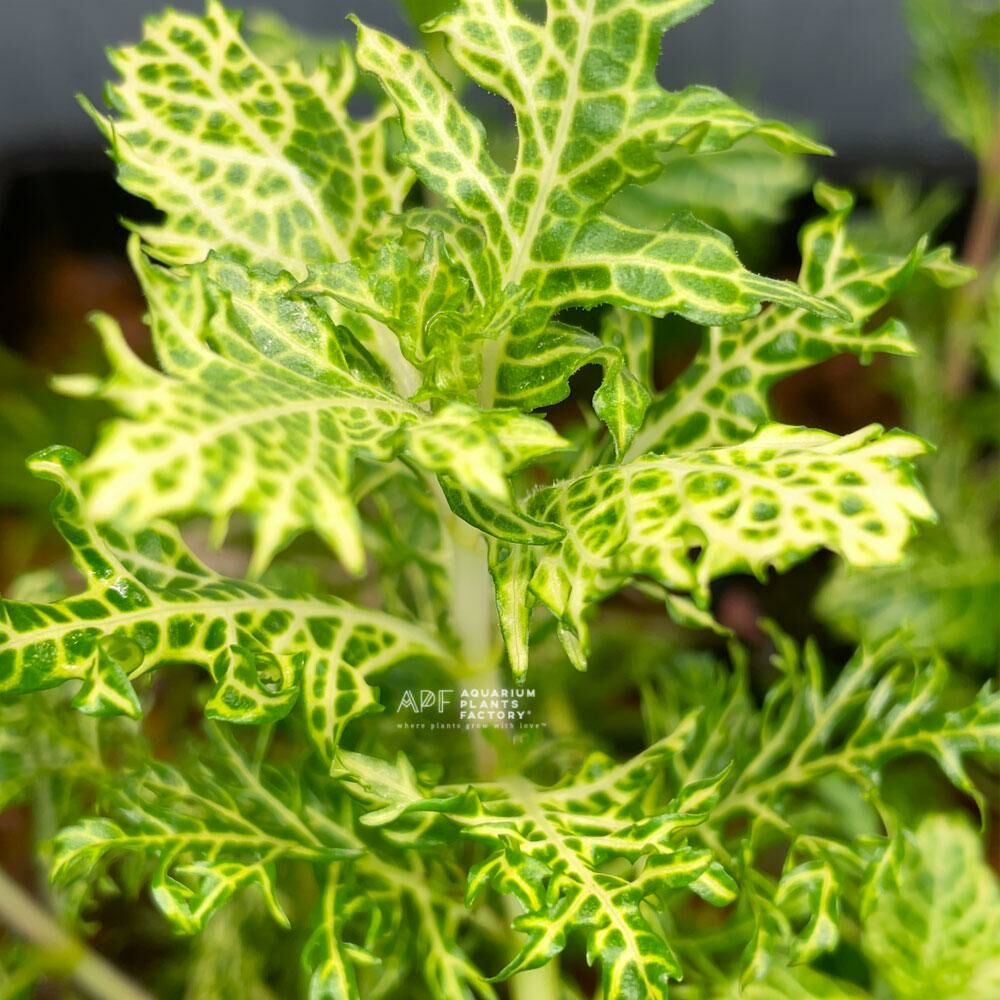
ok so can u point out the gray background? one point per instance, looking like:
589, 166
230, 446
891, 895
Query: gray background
843, 64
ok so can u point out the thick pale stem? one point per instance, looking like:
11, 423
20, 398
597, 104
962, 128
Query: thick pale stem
68, 957
473, 617
538, 984
473, 607
535, 984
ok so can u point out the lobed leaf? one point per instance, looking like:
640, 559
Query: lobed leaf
810, 776
257, 161
685, 519
265, 405
722, 398
549, 848
591, 118
932, 914
209, 833
148, 602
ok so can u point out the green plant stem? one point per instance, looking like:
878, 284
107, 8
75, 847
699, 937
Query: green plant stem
538, 984
70, 957
473, 618
472, 603
535, 984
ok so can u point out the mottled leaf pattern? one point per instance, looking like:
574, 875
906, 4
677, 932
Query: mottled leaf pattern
338, 354
266, 403
149, 602
687, 518
269, 404
722, 397
590, 118
547, 847
932, 915
210, 837
260, 162
812, 735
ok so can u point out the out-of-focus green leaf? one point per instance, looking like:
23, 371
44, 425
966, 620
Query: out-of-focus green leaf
737, 189
931, 922
947, 600
958, 66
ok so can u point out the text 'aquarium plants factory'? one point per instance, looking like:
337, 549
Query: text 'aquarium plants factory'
514, 524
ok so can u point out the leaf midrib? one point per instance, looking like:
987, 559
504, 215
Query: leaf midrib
303, 609
524, 794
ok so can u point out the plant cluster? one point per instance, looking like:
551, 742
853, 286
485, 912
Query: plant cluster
363, 326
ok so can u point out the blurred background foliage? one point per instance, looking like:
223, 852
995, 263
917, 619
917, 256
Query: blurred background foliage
63, 257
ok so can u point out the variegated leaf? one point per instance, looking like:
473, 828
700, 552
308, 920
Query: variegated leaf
265, 406
207, 835
722, 397
931, 918
687, 518
548, 848
148, 602
810, 769
590, 119
257, 161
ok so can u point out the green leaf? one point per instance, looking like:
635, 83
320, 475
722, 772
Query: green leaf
389, 922
481, 449
945, 599
722, 397
958, 68
737, 189
210, 834
931, 921
882, 706
262, 407
149, 602
277, 42
227, 962
257, 161
548, 847
815, 887
42, 746
393, 787
803, 984
412, 285
590, 118
632, 333
265, 406
688, 518
809, 768
407, 541
331, 972
31, 415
